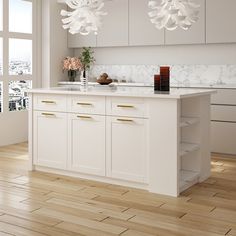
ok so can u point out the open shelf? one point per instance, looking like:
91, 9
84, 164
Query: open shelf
187, 179
187, 121
186, 148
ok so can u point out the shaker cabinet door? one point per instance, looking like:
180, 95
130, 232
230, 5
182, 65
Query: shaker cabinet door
50, 132
114, 30
87, 139
141, 31
79, 41
220, 21
127, 149
194, 35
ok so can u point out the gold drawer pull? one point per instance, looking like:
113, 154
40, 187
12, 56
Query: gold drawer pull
125, 120
49, 102
84, 117
48, 114
84, 104
125, 106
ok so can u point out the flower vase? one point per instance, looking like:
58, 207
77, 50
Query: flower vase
71, 75
84, 80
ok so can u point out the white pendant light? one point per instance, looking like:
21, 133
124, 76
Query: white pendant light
85, 16
171, 14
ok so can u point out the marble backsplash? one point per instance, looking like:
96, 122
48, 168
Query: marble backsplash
181, 75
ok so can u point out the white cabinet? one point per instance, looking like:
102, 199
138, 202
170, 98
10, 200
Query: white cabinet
195, 35
114, 31
223, 137
50, 132
127, 149
79, 41
87, 139
220, 21
141, 30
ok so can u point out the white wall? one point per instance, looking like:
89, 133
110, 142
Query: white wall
54, 43
211, 54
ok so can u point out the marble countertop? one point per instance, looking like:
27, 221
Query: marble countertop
116, 91
204, 86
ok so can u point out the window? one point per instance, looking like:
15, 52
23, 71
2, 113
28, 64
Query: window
17, 43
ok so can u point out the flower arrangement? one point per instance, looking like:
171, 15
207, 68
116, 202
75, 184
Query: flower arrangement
72, 65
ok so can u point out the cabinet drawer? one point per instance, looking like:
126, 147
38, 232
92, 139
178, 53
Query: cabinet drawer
127, 107
223, 113
87, 105
48, 102
223, 137
224, 96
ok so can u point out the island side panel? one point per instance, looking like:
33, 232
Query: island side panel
205, 122
164, 147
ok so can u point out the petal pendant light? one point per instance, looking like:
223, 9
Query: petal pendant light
171, 14
85, 16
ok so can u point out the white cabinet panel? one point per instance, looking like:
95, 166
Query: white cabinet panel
223, 113
87, 135
220, 21
224, 96
49, 102
223, 137
195, 35
87, 104
114, 30
50, 132
79, 41
127, 150
141, 30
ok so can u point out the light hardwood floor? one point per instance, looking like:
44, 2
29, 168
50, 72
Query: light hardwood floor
34, 203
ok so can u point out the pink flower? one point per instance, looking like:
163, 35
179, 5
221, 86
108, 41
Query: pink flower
72, 63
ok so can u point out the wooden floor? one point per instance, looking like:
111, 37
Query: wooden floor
43, 204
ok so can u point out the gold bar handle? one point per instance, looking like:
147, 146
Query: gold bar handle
125, 106
49, 102
125, 120
84, 117
48, 114
84, 104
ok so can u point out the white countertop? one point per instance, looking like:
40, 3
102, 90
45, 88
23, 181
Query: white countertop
116, 91
204, 86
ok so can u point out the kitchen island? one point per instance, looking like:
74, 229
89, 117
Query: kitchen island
127, 136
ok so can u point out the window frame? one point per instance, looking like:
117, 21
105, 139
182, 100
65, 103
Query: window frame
5, 78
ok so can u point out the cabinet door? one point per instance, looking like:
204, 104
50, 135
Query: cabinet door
220, 22
50, 132
127, 149
223, 136
114, 30
141, 30
79, 41
196, 33
87, 134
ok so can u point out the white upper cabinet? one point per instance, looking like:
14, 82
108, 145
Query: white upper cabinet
141, 30
79, 41
220, 21
196, 33
114, 30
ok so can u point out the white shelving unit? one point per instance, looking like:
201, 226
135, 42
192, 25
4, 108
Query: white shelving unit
187, 121
193, 149
187, 148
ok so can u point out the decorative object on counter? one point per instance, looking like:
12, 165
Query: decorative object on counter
71, 65
165, 78
171, 14
85, 17
87, 59
162, 81
104, 79
157, 82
